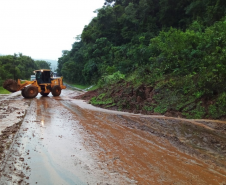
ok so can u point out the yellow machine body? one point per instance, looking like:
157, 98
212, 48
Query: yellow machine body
44, 83
44, 87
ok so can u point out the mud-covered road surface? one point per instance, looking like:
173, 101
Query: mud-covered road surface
67, 141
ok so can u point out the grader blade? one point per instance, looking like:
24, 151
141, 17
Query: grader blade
11, 85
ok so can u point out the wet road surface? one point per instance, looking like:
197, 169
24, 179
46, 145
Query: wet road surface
66, 141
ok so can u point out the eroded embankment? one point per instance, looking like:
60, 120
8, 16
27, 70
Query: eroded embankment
162, 98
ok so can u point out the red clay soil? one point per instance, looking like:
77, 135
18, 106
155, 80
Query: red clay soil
149, 100
136, 98
87, 96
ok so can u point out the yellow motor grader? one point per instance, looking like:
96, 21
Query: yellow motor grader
43, 84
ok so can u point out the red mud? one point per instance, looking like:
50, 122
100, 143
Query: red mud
135, 149
135, 98
88, 95
152, 101
6, 138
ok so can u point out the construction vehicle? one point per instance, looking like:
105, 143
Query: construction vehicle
43, 84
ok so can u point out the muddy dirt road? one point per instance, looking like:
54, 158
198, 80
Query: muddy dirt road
66, 141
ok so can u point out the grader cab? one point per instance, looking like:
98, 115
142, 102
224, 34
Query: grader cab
43, 84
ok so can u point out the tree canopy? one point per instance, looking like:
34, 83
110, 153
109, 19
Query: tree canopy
19, 66
41, 64
127, 35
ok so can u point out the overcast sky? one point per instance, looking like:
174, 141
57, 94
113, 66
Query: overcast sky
43, 28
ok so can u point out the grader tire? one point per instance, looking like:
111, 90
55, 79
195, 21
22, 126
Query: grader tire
22, 92
31, 91
44, 94
56, 91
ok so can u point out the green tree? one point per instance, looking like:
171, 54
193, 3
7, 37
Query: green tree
41, 64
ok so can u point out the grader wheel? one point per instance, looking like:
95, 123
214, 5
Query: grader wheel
56, 90
31, 91
22, 92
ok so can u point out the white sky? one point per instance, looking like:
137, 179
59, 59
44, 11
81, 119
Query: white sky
43, 28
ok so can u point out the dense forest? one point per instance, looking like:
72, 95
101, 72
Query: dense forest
19, 66
175, 48
128, 35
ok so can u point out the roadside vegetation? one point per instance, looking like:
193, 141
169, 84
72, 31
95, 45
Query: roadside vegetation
3, 91
19, 66
175, 51
92, 88
79, 86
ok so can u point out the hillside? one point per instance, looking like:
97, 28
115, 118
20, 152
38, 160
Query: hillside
154, 57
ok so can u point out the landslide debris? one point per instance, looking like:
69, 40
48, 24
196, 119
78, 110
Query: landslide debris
202, 138
88, 95
161, 98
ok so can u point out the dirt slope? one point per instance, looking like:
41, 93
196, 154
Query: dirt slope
155, 100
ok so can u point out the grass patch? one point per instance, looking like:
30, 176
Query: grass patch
3, 91
93, 88
80, 86
101, 101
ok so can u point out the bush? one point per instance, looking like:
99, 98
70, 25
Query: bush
111, 79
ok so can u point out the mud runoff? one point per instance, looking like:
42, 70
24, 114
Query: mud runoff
12, 111
66, 141
155, 149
